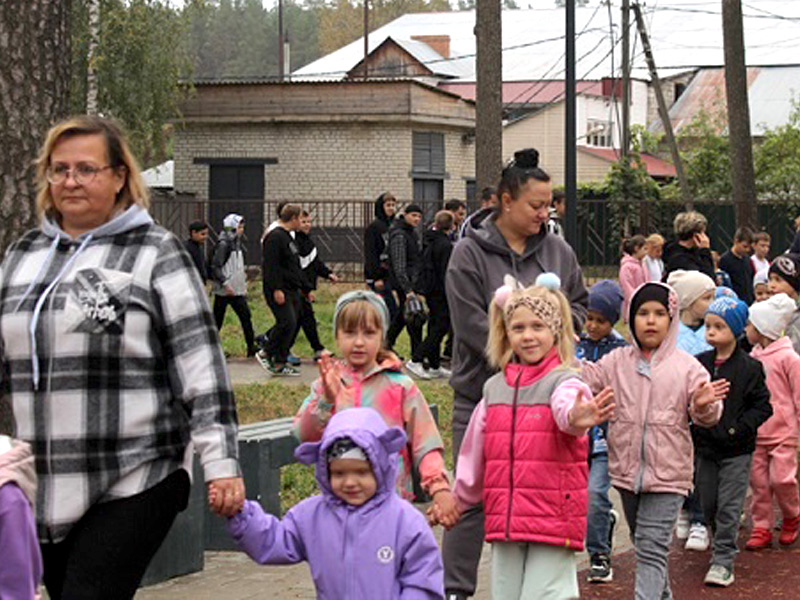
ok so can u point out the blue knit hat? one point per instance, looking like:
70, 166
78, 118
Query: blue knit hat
605, 297
726, 292
734, 312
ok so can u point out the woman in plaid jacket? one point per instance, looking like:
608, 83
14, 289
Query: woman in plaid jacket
113, 367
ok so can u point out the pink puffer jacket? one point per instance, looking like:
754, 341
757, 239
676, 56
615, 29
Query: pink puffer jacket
649, 443
522, 459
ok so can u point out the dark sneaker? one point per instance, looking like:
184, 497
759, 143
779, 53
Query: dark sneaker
613, 519
284, 371
264, 360
293, 360
600, 569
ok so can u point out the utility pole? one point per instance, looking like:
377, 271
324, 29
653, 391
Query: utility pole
570, 134
489, 109
281, 63
663, 113
366, 38
741, 145
626, 80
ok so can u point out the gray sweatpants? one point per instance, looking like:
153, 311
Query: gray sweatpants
462, 545
651, 518
723, 487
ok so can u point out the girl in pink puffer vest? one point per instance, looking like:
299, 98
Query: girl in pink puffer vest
524, 454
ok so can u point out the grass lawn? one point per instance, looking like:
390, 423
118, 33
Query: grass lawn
274, 399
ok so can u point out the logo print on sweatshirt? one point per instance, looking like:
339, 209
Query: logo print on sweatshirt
385, 554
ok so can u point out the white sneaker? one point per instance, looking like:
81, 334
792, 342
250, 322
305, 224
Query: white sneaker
698, 538
441, 372
682, 526
719, 576
418, 370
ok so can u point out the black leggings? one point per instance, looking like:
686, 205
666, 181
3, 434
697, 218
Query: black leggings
106, 553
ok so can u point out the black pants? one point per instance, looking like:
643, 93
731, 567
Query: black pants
399, 322
462, 545
282, 334
242, 310
107, 552
438, 326
307, 321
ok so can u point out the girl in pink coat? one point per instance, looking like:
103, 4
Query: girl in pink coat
632, 271
774, 470
524, 454
657, 387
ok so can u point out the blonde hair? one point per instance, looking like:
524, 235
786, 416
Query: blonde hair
655, 239
360, 314
688, 223
134, 190
498, 348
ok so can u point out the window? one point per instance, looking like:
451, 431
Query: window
599, 133
428, 153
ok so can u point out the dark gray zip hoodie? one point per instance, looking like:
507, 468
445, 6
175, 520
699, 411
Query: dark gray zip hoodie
477, 266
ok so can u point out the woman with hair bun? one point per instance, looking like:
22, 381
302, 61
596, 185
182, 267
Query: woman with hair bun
513, 240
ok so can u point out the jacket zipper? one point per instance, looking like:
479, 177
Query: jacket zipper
347, 565
511, 456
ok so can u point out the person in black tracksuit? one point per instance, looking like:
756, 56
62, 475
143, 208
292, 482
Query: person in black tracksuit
283, 283
690, 251
430, 283
376, 251
725, 451
196, 247
404, 263
313, 267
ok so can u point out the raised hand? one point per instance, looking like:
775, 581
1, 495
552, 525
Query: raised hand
331, 374
586, 413
710, 392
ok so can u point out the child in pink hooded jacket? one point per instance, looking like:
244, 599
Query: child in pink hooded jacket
525, 451
774, 469
657, 387
632, 270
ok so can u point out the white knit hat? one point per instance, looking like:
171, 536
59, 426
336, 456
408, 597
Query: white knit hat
771, 316
690, 285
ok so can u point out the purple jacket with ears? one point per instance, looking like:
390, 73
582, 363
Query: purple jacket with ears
381, 549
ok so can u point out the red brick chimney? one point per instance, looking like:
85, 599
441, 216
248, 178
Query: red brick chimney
440, 43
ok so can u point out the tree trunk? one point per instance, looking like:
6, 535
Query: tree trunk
91, 62
489, 113
34, 93
741, 145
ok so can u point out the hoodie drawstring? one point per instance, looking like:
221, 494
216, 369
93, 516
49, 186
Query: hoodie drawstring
37, 310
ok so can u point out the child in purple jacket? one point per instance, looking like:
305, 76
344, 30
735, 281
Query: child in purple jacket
20, 561
361, 540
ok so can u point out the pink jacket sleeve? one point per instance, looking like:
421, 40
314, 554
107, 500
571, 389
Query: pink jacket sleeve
562, 401
471, 461
793, 371
595, 374
427, 447
315, 412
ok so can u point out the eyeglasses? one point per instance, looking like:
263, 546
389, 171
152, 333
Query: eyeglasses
82, 174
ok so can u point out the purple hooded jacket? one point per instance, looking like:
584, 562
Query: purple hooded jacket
20, 563
381, 549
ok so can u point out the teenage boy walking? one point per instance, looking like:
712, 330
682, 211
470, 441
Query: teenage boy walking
196, 247
283, 284
230, 280
404, 263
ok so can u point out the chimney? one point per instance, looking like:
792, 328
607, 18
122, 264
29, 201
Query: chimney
440, 43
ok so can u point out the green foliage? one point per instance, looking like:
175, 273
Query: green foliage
706, 159
140, 62
777, 160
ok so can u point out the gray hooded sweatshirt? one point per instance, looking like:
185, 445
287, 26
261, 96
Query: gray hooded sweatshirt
477, 266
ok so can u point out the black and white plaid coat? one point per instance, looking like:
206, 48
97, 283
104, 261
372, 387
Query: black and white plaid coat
112, 363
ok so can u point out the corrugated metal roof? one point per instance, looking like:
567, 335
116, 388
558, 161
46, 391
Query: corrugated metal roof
685, 34
432, 59
770, 94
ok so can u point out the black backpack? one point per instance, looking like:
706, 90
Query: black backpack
426, 277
